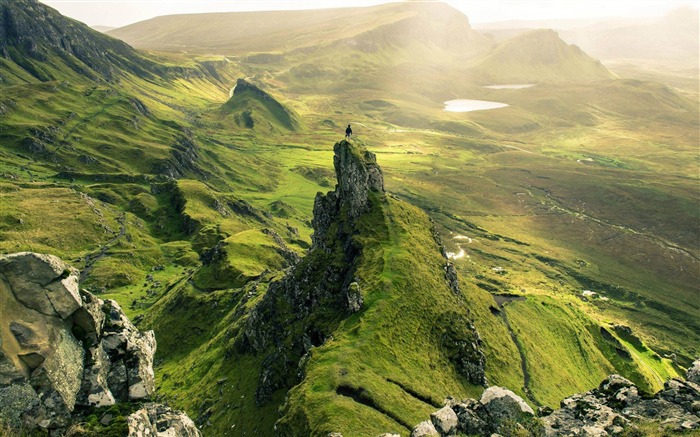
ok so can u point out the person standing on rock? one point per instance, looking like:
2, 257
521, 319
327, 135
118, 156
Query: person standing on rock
348, 132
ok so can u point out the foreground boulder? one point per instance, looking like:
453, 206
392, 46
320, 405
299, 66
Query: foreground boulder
156, 420
498, 411
62, 348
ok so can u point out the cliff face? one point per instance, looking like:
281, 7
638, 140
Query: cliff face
375, 272
61, 348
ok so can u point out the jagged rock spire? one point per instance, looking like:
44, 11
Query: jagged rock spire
358, 176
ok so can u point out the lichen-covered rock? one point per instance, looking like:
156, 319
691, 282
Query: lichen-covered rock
693, 374
355, 299
424, 429
38, 294
95, 388
468, 420
358, 174
444, 420
131, 354
158, 420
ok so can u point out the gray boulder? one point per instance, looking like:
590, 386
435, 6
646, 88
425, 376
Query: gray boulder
38, 294
502, 404
445, 421
693, 374
42, 282
158, 420
610, 408
424, 429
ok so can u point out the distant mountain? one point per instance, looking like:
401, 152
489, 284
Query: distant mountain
281, 31
103, 29
535, 56
37, 42
673, 37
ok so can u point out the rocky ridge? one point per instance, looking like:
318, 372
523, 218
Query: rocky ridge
610, 409
321, 290
62, 349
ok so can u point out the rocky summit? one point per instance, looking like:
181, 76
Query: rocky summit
64, 349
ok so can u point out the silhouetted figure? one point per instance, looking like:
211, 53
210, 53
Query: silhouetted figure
348, 132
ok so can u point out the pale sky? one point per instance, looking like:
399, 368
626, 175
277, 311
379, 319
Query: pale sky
118, 13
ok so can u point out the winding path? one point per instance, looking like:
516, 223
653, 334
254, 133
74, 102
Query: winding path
523, 359
92, 258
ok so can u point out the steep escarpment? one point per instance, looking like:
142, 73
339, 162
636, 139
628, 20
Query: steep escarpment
38, 43
369, 328
32, 35
64, 352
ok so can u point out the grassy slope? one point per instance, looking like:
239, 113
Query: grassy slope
391, 354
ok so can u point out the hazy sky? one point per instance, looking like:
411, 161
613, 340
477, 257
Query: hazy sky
122, 12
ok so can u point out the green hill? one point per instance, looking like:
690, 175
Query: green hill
537, 56
250, 106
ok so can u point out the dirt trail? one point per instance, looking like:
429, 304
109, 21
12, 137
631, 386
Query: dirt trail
92, 258
523, 359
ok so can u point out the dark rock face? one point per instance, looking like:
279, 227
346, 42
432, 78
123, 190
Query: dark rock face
183, 158
358, 175
242, 86
61, 347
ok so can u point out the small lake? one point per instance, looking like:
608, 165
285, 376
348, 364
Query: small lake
464, 105
516, 86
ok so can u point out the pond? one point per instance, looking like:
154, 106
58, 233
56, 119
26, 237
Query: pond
515, 86
465, 105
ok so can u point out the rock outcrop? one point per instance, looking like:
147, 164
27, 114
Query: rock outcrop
611, 409
358, 175
31, 32
62, 348
616, 404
